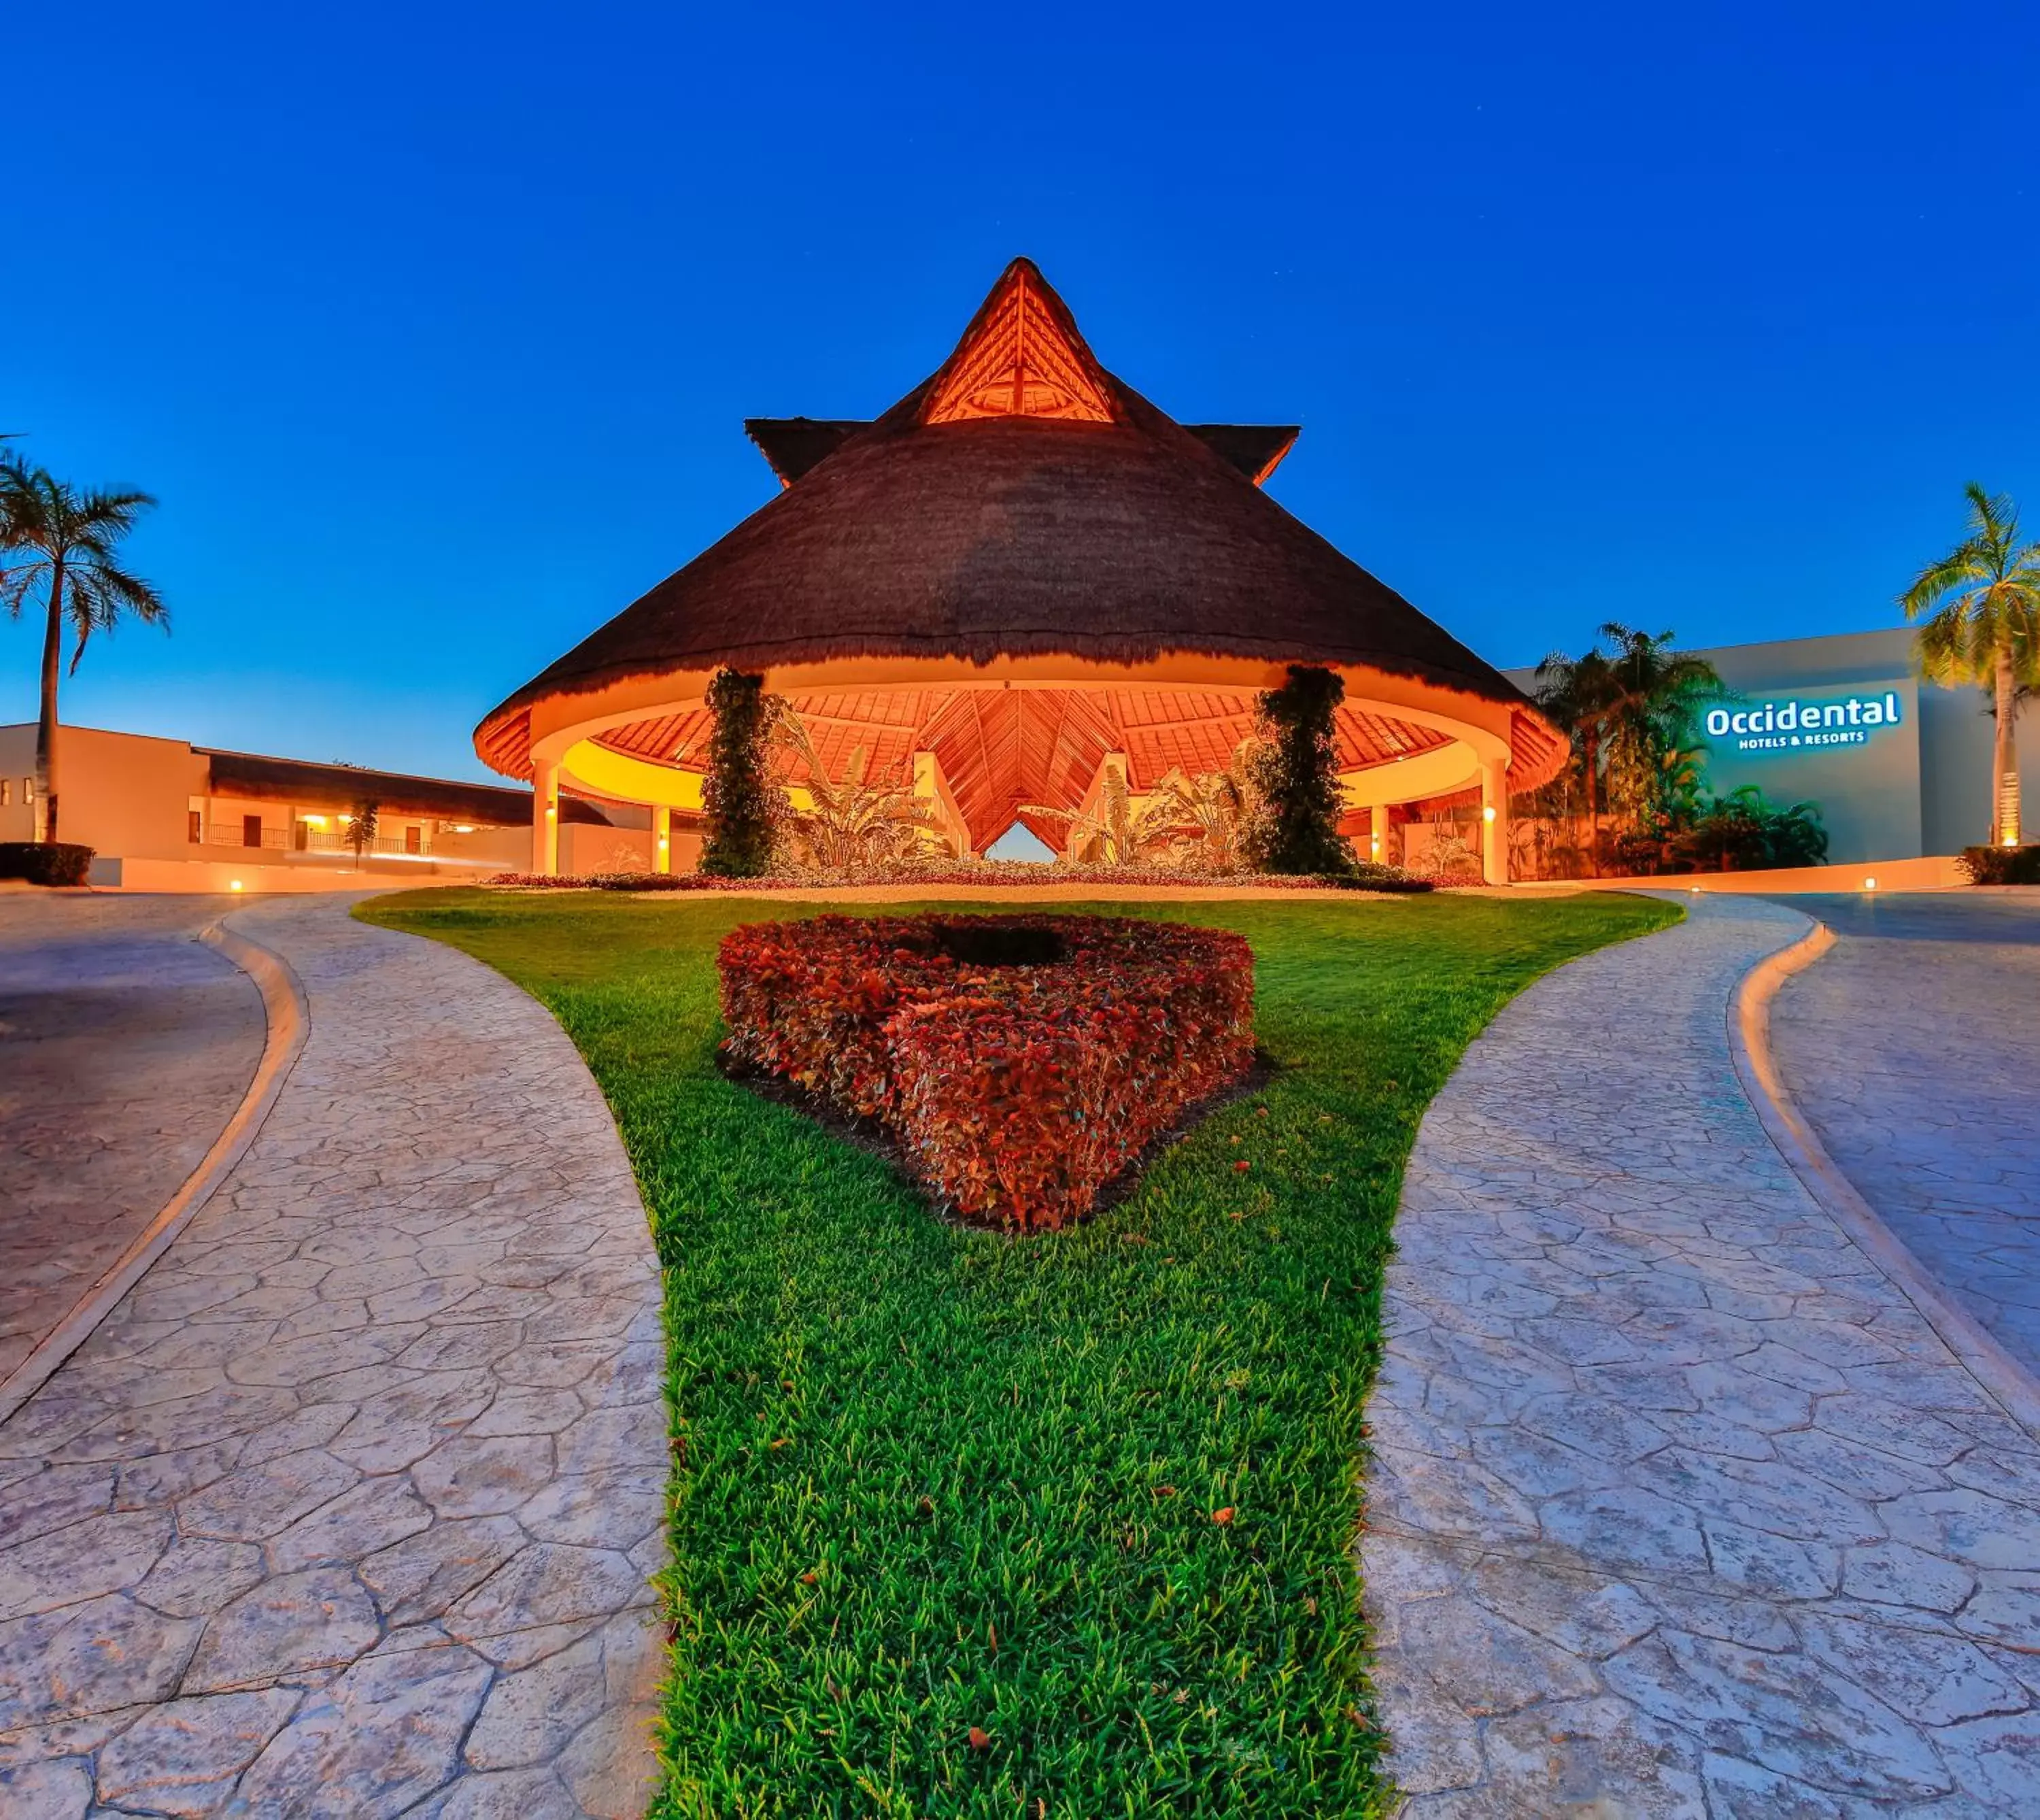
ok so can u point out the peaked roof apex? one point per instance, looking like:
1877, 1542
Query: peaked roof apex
1023, 357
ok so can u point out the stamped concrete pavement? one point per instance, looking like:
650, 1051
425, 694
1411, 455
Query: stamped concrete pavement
351, 1507
1912, 1047
125, 1045
1677, 1505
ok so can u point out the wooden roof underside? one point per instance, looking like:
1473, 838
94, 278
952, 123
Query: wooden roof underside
1002, 748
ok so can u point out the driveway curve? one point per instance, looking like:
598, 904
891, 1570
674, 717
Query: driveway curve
1677, 1505
1912, 1048
351, 1507
126, 1044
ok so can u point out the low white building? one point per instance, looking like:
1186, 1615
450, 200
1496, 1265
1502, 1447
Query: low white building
161, 815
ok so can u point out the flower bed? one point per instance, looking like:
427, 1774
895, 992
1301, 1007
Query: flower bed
1021, 1062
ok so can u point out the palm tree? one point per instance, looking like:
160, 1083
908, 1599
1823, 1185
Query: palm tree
1656, 692
66, 543
1981, 606
1578, 693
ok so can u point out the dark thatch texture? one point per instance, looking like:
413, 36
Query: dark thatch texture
1012, 536
795, 445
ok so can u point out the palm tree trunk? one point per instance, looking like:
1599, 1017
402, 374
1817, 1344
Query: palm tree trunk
2006, 755
46, 723
1593, 809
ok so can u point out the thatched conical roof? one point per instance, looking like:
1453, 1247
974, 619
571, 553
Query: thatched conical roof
1021, 502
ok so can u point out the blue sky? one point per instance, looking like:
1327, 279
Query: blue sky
433, 329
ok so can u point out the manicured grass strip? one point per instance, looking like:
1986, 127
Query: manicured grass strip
1089, 1497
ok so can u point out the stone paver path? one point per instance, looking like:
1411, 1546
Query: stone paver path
1912, 1047
125, 1046
351, 1506
1678, 1506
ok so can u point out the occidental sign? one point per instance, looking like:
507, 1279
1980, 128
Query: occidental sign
1785, 725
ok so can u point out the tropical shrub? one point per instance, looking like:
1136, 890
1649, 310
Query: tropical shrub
2000, 864
1200, 821
46, 862
743, 808
1295, 775
850, 822
1741, 832
1021, 1062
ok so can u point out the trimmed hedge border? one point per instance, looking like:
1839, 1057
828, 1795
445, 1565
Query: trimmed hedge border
1366, 877
46, 862
1022, 1062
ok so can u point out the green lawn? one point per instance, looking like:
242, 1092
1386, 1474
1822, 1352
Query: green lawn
930, 1479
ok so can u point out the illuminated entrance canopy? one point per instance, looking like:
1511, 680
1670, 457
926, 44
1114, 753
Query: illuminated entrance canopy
1796, 724
1022, 585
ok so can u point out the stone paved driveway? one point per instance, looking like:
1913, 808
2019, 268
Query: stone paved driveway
125, 1046
1912, 1047
349, 1509
1677, 1505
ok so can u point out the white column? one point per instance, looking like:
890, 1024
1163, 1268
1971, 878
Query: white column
662, 838
1495, 821
545, 818
1378, 833
932, 786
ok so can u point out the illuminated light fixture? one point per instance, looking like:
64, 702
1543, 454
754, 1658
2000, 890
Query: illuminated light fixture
1869, 885
662, 843
235, 885
1487, 814
2010, 841
314, 821
463, 827
551, 810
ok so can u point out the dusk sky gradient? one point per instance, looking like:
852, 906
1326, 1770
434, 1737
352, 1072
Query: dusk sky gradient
433, 331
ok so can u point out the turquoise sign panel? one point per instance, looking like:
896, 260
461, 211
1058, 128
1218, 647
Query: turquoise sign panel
1852, 747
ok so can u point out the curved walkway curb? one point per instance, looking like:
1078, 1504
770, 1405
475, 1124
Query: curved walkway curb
2004, 1376
284, 1008
1677, 1505
352, 1505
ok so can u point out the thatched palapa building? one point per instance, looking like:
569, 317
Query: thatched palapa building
1022, 574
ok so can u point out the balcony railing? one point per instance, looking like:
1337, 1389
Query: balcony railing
303, 839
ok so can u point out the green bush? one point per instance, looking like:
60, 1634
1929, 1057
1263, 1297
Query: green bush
741, 805
1295, 827
1742, 832
2001, 864
1371, 875
46, 862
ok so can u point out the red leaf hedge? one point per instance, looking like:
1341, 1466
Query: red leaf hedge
1021, 1061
